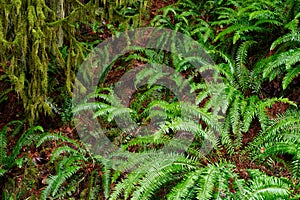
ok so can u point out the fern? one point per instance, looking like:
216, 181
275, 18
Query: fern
281, 137
286, 51
291, 74
236, 72
27, 138
158, 171
240, 20
241, 111
3, 143
201, 182
46, 137
288, 59
234, 28
71, 161
264, 187
55, 182
61, 150
266, 16
242, 53
290, 37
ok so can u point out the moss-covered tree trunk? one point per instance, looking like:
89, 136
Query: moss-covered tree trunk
32, 32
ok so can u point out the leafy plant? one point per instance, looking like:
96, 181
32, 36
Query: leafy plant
189, 179
9, 155
225, 142
8, 161
75, 167
280, 138
236, 28
284, 57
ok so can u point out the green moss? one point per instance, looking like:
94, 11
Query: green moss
34, 38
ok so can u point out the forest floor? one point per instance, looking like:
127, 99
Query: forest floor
13, 111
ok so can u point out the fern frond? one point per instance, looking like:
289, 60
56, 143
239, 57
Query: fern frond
55, 182
290, 37
141, 141
46, 192
152, 173
280, 136
119, 112
61, 150
68, 190
266, 16
283, 148
55, 137
288, 59
206, 183
85, 106
238, 30
267, 187
296, 168
291, 74
268, 21
3, 144
106, 181
203, 31
250, 112
157, 176
242, 53
26, 139
186, 188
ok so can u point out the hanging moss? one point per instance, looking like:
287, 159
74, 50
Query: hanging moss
32, 31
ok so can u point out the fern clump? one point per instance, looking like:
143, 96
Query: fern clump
74, 167
280, 138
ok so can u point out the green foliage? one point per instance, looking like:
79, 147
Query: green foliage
241, 101
280, 138
190, 180
157, 123
32, 33
251, 42
240, 30
287, 56
10, 160
74, 167
266, 187
238, 24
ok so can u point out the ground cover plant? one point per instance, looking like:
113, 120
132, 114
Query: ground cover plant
251, 129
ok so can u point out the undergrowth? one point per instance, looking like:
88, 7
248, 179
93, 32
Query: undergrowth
234, 140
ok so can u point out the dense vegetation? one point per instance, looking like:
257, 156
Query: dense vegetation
246, 139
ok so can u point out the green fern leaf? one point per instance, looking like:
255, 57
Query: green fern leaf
185, 187
288, 58
3, 144
288, 78
266, 187
61, 178
243, 52
291, 37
